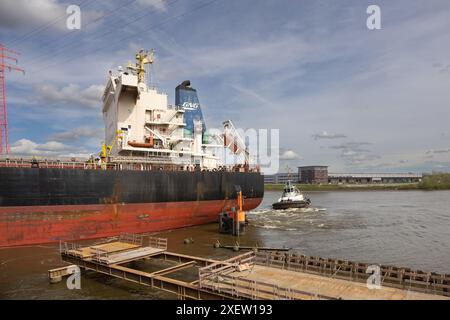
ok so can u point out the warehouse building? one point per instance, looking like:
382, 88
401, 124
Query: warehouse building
368, 178
313, 174
280, 178
320, 175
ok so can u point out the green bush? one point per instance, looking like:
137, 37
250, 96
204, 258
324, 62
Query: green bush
440, 181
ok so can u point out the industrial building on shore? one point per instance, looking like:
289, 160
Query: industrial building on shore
320, 175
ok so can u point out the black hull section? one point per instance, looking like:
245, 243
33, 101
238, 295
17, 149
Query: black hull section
44, 187
291, 204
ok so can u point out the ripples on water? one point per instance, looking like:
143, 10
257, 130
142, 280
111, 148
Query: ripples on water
401, 228
410, 228
289, 219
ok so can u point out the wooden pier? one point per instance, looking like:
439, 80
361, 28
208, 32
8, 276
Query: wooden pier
252, 275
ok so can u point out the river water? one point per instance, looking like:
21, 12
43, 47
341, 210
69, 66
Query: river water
401, 228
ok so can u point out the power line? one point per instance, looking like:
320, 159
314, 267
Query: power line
46, 44
43, 27
128, 36
95, 36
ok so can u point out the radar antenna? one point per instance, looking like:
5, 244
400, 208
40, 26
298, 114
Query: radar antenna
142, 58
288, 170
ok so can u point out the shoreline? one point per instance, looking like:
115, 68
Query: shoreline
349, 187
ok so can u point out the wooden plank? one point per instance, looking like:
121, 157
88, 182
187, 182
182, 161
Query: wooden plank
134, 271
183, 257
115, 246
130, 255
175, 268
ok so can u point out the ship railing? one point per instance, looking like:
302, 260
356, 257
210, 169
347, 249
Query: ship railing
56, 164
134, 239
52, 164
134, 164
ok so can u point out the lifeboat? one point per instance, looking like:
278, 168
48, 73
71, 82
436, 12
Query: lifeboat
148, 144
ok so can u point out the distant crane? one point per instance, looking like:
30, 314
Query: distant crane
5, 55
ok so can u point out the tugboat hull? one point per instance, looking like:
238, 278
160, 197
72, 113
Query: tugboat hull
291, 204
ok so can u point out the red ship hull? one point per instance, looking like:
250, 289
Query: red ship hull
31, 225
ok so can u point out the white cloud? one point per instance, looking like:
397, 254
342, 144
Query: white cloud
439, 151
20, 13
327, 135
351, 146
257, 55
50, 149
157, 4
38, 16
79, 133
72, 93
355, 154
28, 147
289, 155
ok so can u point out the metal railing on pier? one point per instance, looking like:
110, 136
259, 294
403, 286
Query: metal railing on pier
218, 277
391, 276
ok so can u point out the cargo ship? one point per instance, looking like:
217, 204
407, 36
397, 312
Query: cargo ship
157, 170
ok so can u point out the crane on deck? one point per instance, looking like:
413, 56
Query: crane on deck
233, 141
106, 149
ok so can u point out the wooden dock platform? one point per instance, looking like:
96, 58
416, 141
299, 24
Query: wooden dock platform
252, 275
289, 284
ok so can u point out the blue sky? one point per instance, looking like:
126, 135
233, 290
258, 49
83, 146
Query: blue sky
341, 95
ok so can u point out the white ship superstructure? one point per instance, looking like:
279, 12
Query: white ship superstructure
140, 123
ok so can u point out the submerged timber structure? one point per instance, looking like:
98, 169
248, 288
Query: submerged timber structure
252, 275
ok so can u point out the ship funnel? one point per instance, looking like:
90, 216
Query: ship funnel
186, 98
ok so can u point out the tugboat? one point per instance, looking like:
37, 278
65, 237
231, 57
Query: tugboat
291, 198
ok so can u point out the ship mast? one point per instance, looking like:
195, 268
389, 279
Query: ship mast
142, 58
